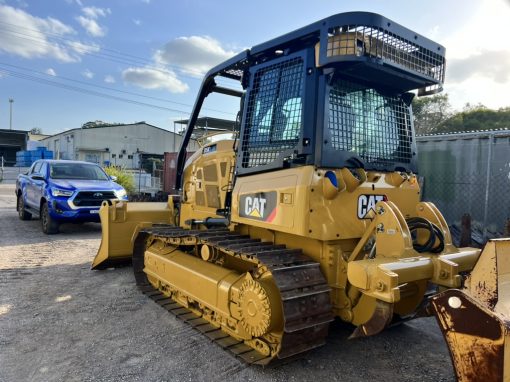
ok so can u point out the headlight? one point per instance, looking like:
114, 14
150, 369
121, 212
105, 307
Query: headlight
120, 193
59, 192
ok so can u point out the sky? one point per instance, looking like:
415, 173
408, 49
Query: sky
67, 62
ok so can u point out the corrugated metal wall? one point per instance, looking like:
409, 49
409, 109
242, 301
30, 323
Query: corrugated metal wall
468, 173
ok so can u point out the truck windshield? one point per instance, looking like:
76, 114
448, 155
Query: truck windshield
372, 125
77, 171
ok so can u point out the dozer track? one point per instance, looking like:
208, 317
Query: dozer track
303, 291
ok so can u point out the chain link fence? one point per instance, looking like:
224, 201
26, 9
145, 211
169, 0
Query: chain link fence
485, 198
468, 173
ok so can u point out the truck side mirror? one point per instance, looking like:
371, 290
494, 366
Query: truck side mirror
113, 177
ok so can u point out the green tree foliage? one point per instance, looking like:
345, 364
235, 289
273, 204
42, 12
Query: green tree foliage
479, 118
430, 112
123, 178
435, 115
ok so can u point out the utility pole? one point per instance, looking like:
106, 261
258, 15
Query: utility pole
10, 113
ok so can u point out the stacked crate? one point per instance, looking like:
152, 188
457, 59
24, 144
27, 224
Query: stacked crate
27, 157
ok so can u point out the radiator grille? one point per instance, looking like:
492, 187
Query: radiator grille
92, 198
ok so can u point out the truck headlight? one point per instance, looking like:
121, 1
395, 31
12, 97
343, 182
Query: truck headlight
120, 193
59, 192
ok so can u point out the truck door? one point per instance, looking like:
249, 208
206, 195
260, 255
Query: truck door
39, 184
32, 184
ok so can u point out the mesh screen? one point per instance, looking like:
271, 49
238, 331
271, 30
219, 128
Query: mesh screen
374, 126
234, 73
273, 121
376, 42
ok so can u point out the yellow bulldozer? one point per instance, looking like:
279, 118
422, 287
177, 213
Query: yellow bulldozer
310, 209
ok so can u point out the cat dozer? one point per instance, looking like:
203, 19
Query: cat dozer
311, 208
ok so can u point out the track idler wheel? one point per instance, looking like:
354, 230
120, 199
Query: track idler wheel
259, 311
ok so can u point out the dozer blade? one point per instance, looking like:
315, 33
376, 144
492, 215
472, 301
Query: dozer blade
119, 223
475, 320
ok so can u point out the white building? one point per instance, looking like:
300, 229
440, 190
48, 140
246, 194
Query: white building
119, 145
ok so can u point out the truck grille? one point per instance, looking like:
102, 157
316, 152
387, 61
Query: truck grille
92, 198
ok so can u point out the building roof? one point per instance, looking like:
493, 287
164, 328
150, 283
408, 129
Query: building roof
37, 137
107, 125
14, 131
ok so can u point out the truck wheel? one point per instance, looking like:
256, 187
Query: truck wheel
49, 226
22, 213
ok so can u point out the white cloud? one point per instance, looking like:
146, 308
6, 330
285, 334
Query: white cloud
487, 29
137, 22
491, 65
82, 48
89, 20
95, 12
91, 26
35, 38
75, 1
150, 78
478, 57
87, 74
51, 72
109, 79
194, 54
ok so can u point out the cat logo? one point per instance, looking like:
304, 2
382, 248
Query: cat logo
367, 203
254, 206
259, 206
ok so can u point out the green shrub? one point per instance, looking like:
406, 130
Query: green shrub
123, 178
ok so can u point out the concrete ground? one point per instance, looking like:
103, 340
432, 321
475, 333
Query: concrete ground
60, 321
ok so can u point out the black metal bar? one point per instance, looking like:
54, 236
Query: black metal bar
207, 85
227, 91
205, 89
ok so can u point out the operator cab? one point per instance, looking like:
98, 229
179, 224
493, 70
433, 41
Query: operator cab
333, 94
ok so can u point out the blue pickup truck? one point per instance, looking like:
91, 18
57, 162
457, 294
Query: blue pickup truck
61, 191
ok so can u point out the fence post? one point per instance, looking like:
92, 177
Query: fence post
465, 232
507, 228
487, 185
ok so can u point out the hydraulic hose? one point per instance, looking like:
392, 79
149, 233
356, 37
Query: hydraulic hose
435, 234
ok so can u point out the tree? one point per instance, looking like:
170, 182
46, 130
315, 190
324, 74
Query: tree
434, 115
124, 178
35, 131
475, 119
430, 112
90, 124
470, 107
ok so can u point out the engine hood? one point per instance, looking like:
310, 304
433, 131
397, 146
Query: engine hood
85, 185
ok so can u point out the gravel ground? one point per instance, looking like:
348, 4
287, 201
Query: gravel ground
59, 321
